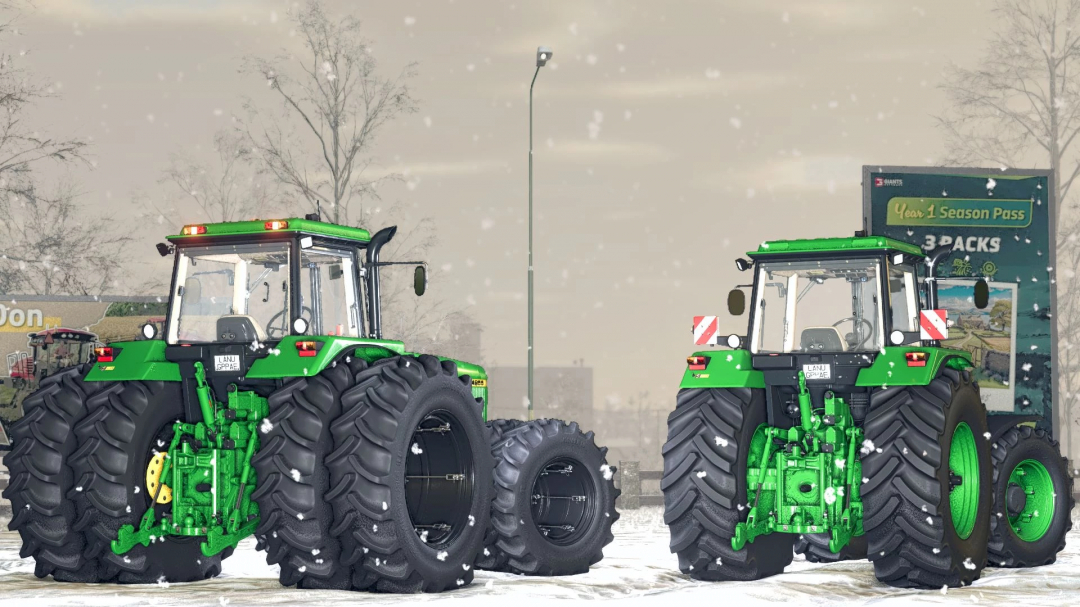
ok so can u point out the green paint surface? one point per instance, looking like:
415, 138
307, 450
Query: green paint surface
725, 369
838, 245
992, 213
964, 463
236, 228
890, 366
137, 361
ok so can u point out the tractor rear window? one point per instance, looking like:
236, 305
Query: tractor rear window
829, 305
231, 293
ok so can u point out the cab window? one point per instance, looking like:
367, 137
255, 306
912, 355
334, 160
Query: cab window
328, 293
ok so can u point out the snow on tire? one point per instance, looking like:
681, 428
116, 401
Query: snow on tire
412, 477
705, 486
913, 537
1025, 451
554, 506
292, 478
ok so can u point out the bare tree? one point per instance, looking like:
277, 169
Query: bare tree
229, 191
46, 244
333, 105
50, 247
1021, 106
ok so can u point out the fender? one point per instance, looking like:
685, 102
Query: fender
724, 369
137, 361
890, 367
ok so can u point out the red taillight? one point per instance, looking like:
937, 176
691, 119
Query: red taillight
697, 363
193, 230
103, 355
915, 359
276, 224
306, 348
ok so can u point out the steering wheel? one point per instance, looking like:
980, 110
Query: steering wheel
854, 342
273, 332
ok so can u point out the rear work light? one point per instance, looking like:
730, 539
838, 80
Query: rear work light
697, 363
193, 230
104, 355
276, 224
306, 348
915, 359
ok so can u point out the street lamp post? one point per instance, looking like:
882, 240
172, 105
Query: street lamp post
543, 53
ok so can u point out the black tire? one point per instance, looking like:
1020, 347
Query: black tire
377, 444
1007, 549
552, 535
907, 518
124, 424
815, 548
493, 559
41, 479
701, 511
293, 479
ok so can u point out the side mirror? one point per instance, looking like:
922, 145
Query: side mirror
420, 280
736, 302
164, 250
982, 294
742, 264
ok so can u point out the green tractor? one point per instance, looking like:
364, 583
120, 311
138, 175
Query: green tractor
837, 429
271, 405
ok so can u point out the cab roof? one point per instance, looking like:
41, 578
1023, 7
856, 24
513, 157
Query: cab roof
260, 226
853, 244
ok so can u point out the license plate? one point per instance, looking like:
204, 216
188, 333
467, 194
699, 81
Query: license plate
817, 371
229, 362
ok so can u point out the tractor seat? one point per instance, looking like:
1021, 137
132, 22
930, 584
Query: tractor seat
240, 328
822, 339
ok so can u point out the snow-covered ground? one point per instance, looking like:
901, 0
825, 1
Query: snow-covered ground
638, 570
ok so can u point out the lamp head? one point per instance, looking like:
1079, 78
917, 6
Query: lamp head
543, 54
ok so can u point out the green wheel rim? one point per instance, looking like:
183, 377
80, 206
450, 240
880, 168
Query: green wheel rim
964, 480
1032, 523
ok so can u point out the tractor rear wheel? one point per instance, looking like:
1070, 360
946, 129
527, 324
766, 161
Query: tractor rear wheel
815, 548
1033, 499
928, 488
127, 424
412, 477
293, 478
42, 481
555, 500
705, 486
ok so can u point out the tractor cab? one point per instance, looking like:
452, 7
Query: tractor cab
835, 295
259, 281
52, 350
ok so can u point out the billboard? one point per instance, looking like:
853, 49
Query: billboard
999, 225
40, 334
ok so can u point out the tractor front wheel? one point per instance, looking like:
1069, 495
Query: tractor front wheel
1033, 499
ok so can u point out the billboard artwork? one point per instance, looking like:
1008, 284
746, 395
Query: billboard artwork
998, 226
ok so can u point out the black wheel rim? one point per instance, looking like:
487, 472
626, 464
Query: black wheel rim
439, 480
563, 501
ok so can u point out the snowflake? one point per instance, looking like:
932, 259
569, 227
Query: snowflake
721, 441
968, 564
162, 582
385, 506
302, 568
607, 472
300, 516
472, 521
830, 495
295, 474
416, 449
701, 474
442, 555
265, 427
867, 447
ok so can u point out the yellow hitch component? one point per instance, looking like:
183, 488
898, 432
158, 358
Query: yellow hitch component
153, 476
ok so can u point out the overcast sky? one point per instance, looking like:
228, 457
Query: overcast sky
671, 137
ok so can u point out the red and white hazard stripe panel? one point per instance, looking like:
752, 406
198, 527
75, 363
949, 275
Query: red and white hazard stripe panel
705, 330
934, 324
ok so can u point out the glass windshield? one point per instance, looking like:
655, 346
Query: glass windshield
902, 295
231, 293
818, 306
328, 292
